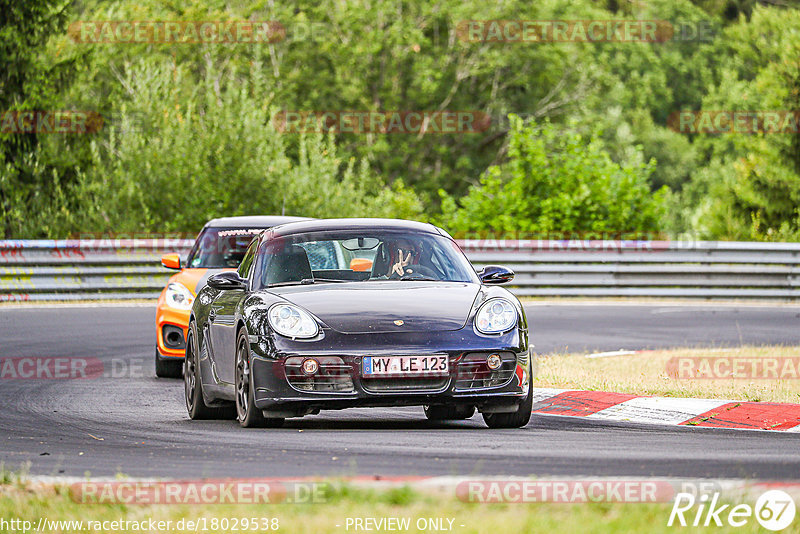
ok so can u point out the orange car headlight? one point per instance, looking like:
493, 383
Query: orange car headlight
178, 296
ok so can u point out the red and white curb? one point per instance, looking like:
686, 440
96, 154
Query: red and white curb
710, 413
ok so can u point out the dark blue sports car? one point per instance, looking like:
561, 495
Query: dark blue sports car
332, 314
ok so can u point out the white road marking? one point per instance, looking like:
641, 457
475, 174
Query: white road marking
661, 410
542, 394
620, 352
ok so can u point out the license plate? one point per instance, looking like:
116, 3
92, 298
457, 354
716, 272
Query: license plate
377, 366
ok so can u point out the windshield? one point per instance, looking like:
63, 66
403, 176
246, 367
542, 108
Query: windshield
221, 248
358, 255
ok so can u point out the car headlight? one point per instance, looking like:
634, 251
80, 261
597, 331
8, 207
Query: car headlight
495, 316
178, 296
291, 321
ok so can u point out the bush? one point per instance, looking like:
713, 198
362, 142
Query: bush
182, 153
557, 183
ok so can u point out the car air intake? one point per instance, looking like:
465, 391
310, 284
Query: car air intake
173, 337
330, 374
473, 371
407, 384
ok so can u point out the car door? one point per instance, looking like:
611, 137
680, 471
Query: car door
222, 323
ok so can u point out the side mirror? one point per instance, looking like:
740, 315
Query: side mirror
171, 261
495, 274
226, 281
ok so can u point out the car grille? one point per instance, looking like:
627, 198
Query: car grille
333, 375
400, 385
473, 373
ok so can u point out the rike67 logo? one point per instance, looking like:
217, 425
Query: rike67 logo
774, 510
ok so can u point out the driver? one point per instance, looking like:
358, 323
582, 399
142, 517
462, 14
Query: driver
404, 256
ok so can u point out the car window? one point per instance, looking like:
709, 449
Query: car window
247, 261
357, 256
323, 254
220, 248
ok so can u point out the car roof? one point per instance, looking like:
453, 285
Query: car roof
321, 225
252, 221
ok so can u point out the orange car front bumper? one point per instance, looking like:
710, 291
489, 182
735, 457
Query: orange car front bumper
166, 315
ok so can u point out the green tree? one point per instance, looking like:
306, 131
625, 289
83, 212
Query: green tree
29, 80
750, 187
183, 153
382, 55
556, 182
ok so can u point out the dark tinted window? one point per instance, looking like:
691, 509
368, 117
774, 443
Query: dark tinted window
247, 262
361, 255
219, 248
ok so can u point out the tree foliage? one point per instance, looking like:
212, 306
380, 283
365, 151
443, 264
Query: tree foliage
558, 183
189, 131
182, 153
750, 186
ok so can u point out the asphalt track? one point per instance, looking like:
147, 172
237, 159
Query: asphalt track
136, 424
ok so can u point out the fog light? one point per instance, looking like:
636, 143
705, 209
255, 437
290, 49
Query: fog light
494, 362
310, 366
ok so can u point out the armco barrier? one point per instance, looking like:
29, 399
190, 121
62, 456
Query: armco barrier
35, 270
126, 269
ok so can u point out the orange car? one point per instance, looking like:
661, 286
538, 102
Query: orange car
219, 247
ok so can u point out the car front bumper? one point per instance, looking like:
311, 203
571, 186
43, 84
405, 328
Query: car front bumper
282, 390
167, 319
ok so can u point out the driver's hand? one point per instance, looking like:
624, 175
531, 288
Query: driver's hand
399, 267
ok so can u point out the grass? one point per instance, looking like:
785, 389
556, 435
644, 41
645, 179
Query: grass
645, 373
55, 503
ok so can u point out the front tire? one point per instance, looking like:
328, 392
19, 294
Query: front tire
167, 368
248, 415
516, 419
193, 384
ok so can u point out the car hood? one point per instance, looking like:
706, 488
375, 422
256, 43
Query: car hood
387, 306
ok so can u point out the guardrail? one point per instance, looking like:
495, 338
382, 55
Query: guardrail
35, 270
129, 269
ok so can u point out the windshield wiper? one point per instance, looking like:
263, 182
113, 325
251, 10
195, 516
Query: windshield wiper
306, 282
412, 278
303, 282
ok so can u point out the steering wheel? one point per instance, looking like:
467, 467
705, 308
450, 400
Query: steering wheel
416, 272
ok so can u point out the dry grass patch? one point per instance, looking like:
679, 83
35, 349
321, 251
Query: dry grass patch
648, 373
